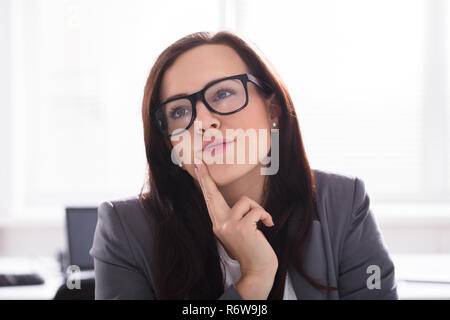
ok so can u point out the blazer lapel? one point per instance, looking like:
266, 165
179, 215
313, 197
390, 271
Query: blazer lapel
314, 263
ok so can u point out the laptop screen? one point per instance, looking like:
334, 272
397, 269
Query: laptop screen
81, 223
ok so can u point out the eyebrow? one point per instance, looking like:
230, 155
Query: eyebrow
186, 94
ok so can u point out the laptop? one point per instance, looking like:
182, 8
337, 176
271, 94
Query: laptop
80, 227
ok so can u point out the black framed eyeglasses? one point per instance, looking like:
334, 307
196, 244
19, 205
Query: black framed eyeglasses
222, 96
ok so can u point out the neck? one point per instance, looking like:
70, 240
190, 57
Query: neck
250, 185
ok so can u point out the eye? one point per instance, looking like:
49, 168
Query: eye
178, 112
223, 93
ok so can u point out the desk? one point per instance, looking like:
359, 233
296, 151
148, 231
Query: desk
408, 268
48, 268
422, 276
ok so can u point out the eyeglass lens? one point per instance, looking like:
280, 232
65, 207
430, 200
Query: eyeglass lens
224, 97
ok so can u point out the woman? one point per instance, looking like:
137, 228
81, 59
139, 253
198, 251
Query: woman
224, 230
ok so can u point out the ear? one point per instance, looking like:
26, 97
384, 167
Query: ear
273, 107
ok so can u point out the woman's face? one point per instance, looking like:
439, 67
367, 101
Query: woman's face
190, 73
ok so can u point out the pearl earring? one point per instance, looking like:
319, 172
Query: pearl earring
177, 161
274, 124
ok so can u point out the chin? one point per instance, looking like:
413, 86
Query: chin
224, 174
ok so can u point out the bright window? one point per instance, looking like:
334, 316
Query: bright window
362, 74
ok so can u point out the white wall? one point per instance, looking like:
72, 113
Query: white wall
32, 240
22, 236
5, 110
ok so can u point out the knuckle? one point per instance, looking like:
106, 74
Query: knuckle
258, 211
222, 228
264, 212
244, 198
216, 229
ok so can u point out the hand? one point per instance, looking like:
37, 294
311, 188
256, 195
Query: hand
236, 229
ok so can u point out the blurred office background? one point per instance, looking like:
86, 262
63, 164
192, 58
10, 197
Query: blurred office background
369, 79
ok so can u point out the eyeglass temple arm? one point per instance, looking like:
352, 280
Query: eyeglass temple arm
260, 83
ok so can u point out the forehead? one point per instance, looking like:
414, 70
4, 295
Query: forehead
193, 69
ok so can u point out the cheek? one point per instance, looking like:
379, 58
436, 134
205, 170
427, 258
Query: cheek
183, 147
256, 118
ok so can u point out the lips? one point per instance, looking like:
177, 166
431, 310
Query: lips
208, 145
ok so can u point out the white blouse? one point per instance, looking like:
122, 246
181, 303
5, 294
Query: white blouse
232, 273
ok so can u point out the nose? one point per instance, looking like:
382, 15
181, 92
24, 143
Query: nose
207, 118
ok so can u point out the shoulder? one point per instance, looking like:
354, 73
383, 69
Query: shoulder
127, 213
340, 198
123, 230
333, 184
132, 203
122, 250
338, 189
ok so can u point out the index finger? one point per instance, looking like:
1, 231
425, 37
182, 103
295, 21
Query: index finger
217, 206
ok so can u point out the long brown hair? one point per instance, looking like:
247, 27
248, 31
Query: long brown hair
186, 261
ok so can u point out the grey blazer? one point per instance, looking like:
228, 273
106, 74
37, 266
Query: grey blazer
345, 241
